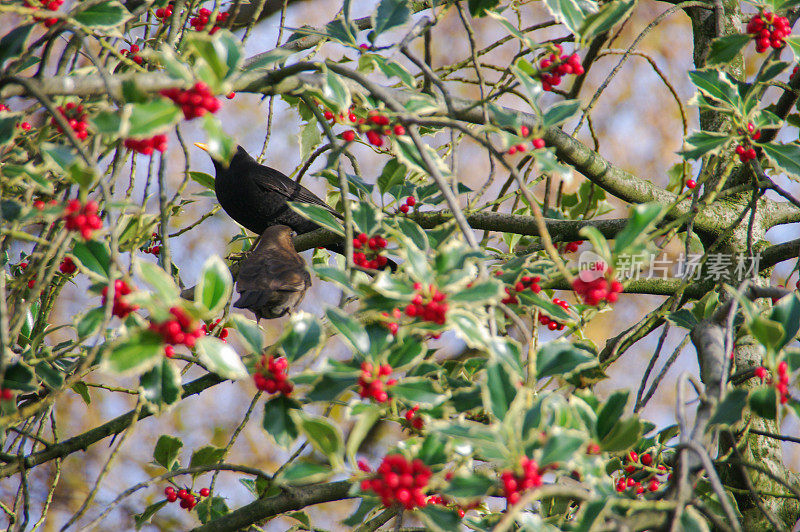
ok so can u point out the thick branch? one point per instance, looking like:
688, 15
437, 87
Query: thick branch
779, 253
261, 509
560, 230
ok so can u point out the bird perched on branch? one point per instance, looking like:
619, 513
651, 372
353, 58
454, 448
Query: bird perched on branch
255, 195
272, 278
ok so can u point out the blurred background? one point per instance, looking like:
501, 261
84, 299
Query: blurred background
638, 124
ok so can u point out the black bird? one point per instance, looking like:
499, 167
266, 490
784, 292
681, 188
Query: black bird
255, 195
272, 278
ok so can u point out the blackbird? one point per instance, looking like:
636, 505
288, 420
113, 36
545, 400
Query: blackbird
255, 195
272, 278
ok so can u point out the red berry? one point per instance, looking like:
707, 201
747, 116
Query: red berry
205, 492
399, 130
404, 209
349, 135
691, 183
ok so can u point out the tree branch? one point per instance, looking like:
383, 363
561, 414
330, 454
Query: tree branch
560, 230
285, 502
779, 253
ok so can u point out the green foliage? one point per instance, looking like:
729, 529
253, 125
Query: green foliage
103, 15
214, 288
166, 452
469, 394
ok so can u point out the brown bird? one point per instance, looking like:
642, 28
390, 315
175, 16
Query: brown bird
272, 278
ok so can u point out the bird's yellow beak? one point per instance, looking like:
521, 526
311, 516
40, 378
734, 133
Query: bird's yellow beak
202, 147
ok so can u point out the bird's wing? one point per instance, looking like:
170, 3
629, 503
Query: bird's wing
273, 181
272, 283
272, 270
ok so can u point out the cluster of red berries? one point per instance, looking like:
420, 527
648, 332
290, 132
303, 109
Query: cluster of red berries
371, 381
372, 246
147, 146
572, 247
769, 30
375, 126
203, 16
637, 486
557, 66
525, 282
67, 266
514, 484
6, 394
134, 54
409, 203
415, 421
428, 305
188, 499
75, 117
180, 330
598, 290
394, 326
194, 102
745, 154
524, 132
165, 12
745, 151
398, 480
271, 375
154, 248
782, 386
121, 308
550, 322
223, 333
51, 5
82, 218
